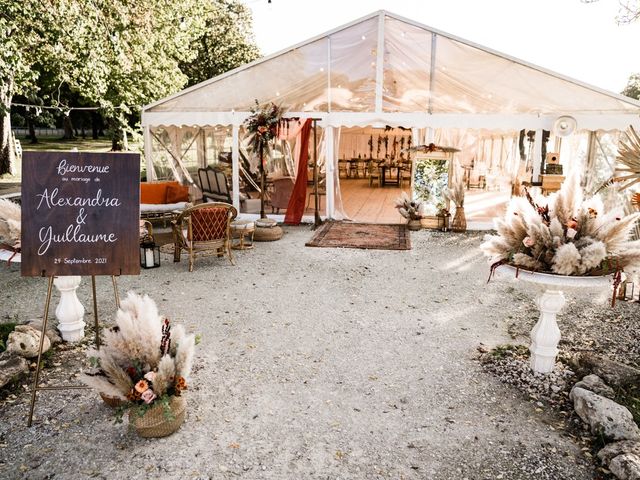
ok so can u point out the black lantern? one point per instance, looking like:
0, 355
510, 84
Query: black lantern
149, 253
443, 220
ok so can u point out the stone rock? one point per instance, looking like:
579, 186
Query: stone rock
614, 373
612, 450
626, 466
595, 384
604, 416
25, 341
52, 332
12, 366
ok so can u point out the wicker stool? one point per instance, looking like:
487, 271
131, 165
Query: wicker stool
241, 230
267, 230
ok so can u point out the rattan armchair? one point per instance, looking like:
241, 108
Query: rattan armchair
204, 229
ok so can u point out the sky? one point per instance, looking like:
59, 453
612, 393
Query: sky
576, 39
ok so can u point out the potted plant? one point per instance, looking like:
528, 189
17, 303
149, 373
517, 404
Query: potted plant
411, 210
144, 364
558, 242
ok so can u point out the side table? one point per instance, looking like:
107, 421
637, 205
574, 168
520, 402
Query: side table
243, 231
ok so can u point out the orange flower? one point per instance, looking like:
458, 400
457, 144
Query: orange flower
142, 386
572, 224
180, 385
133, 395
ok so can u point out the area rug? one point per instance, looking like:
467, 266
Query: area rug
361, 235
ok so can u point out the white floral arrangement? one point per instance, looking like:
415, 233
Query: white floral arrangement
564, 234
408, 208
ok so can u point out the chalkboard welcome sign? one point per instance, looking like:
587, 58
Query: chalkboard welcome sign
80, 213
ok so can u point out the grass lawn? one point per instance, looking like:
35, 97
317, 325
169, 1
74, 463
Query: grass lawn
56, 144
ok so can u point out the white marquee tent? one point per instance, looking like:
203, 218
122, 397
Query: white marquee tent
380, 70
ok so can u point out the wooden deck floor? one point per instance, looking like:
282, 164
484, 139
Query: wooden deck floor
365, 204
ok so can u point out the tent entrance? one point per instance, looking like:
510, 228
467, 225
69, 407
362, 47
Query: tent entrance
374, 167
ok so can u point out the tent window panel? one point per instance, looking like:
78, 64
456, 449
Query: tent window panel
161, 145
353, 67
296, 79
468, 79
218, 144
407, 65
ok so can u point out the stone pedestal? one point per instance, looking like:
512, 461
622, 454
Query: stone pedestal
69, 312
545, 335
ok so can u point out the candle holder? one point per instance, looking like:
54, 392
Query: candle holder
149, 253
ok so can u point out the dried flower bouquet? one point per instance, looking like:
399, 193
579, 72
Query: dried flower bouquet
144, 361
409, 209
564, 234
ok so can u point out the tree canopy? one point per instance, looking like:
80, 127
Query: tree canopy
116, 55
226, 43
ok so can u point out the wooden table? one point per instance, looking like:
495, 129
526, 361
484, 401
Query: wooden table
384, 169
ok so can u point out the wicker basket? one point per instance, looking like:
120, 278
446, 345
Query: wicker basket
113, 402
459, 223
414, 225
154, 424
267, 234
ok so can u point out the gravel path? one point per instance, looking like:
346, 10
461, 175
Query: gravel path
314, 364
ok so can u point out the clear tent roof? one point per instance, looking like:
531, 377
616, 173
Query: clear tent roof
419, 69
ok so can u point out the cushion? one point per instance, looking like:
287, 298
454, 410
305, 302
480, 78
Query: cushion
266, 223
163, 207
177, 193
154, 192
209, 224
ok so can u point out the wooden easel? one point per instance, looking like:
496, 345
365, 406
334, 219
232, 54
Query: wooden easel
35, 387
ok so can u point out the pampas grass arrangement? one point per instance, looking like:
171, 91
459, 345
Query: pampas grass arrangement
564, 234
456, 195
409, 209
143, 360
10, 223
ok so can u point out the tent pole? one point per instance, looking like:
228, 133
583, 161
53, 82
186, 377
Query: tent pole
537, 158
316, 196
262, 182
148, 153
235, 167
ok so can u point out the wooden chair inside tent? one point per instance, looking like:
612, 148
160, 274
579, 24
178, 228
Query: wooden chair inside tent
404, 174
204, 229
214, 185
373, 172
282, 189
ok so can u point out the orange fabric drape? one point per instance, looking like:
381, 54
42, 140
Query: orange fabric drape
295, 208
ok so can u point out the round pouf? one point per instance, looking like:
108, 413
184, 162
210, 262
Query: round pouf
267, 230
243, 230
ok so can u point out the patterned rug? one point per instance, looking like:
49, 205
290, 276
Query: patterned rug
361, 235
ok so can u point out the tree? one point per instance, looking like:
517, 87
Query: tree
21, 34
633, 86
226, 43
628, 10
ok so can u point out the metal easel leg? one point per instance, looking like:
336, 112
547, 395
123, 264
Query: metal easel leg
96, 324
114, 280
36, 378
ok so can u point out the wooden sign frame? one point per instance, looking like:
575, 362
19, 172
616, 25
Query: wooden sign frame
80, 213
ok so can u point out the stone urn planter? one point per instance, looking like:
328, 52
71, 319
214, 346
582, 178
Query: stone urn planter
545, 335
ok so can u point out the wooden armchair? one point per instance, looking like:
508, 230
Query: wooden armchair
204, 229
